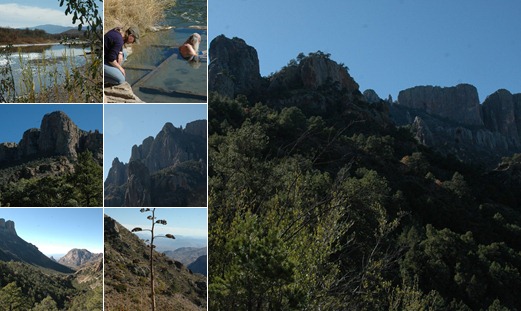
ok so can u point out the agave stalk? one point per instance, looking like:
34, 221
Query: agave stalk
152, 218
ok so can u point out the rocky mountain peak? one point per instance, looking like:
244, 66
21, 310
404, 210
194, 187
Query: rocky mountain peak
79, 257
58, 135
317, 70
502, 113
7, 227
172, 162
198, 128
168, 127
234, 67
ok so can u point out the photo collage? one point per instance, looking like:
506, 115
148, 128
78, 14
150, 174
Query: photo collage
240, 155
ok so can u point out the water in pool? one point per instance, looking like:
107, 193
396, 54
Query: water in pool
156, 71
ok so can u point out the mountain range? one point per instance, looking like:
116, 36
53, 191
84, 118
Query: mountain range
31, 281
53, 29
14, 248
450, 120
168, 170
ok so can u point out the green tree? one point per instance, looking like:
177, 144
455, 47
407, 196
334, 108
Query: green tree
11, 298
87, 180
47, 304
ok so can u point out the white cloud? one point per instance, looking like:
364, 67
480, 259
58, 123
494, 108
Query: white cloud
19, 16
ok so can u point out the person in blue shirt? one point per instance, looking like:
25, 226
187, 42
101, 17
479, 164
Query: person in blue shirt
115, 54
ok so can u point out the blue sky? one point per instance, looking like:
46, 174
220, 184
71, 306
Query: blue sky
389, 45
16, 119
29, 13
189, 222
128, 125
58, 230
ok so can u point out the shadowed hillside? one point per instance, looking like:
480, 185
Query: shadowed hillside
319, 201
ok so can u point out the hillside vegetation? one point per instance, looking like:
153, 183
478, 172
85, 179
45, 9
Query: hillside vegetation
127, 276
22, 36
318, 202
25, 287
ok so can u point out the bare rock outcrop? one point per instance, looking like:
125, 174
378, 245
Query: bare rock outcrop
459, 104
7, 227
76, 258
29, 145
118, 173
311, 73
197, 128
58, 135
166, 170
371, 96
121, 93
502, 114
170, 146
448, 120
234, 68
8, 152
138, 185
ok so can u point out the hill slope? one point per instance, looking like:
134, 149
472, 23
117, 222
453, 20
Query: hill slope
14, 248
319, 201
127, 275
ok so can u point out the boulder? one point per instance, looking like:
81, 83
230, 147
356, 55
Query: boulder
121, 93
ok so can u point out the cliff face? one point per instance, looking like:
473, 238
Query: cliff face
451, 120
502, 114
168, 170
459, 103
13, 247
57, 136
234, 67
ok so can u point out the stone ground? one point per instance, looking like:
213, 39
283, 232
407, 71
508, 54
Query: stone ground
120, 94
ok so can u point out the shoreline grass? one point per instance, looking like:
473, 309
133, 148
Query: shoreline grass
50, 79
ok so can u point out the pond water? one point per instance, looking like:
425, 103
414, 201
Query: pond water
156, 71
46, 62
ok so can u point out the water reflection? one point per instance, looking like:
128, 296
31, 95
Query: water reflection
45, 62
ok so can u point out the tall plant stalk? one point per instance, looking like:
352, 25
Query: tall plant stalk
152, 218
